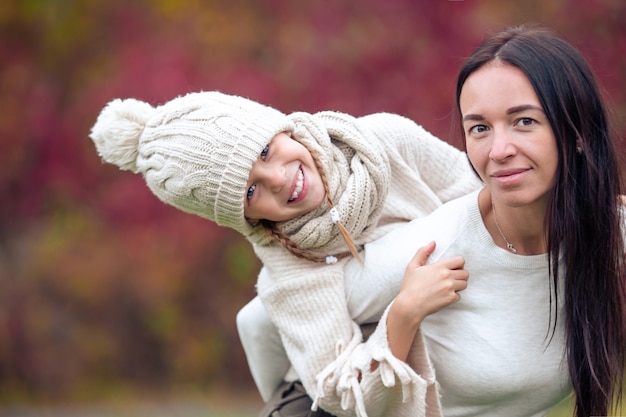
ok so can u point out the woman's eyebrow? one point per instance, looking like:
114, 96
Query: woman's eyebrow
474, 117
523, 107
512, 110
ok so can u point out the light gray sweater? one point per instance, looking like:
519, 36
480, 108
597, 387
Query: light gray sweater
493, 351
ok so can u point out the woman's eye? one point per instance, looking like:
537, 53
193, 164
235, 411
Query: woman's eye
265, 151
250, 192
478, 129
525, 121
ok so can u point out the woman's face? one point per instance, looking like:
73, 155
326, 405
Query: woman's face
508, 137
284, 182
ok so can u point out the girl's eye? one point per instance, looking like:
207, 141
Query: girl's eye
250, 192
265, 151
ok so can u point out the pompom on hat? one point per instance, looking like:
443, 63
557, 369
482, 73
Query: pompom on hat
195, 151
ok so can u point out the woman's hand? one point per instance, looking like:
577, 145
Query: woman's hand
425, 290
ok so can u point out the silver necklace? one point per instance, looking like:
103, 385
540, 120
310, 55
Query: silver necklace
509, 245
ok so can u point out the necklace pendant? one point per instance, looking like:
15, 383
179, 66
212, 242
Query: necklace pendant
495, 218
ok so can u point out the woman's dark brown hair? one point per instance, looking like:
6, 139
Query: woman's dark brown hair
584, 216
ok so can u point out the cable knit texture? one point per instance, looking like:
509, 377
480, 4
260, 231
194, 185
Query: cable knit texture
195, 151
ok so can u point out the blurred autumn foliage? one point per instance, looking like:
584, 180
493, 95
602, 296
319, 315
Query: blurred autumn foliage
102, 287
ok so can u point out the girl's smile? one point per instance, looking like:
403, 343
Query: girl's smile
284, 182
298, 186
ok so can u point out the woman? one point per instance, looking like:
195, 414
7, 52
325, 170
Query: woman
542, 312
580, 214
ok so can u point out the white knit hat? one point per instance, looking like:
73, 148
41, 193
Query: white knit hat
195, 152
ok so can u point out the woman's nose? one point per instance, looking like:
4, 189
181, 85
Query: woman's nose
501, 145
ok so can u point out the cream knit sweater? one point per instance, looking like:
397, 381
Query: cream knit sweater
307, 301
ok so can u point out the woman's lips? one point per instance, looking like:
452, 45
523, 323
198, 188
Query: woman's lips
508, 176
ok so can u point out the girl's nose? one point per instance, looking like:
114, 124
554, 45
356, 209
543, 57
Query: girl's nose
274, 177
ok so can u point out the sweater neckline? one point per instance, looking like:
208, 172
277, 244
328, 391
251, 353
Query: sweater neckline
502, 255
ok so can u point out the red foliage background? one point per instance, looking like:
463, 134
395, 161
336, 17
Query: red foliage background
102, 287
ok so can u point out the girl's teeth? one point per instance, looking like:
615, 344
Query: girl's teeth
298, 189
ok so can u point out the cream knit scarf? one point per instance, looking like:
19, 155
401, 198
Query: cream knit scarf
358, 171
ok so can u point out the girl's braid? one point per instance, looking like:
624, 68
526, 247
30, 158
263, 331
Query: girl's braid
276, 234
288, 244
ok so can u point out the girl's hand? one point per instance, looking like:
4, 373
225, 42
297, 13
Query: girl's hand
425, 290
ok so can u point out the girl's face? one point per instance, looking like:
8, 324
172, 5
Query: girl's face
284, 182
508, 137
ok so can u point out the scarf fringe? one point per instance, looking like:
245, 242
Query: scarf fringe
353, 360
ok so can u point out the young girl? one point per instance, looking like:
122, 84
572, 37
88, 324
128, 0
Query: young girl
307, 190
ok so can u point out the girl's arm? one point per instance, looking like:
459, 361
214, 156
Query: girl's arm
306, 302
390, 372
441, 168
